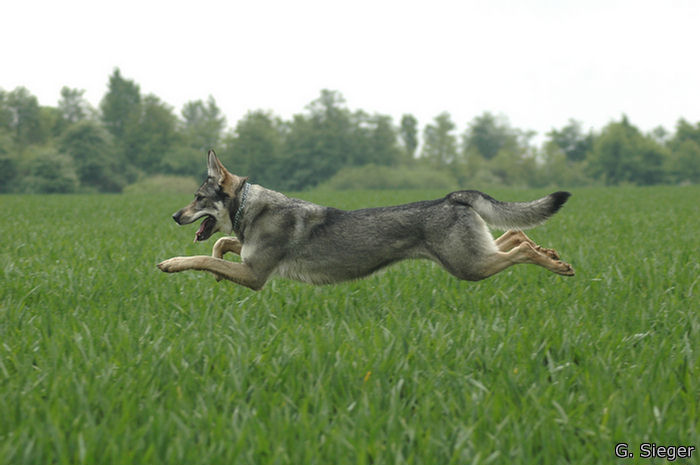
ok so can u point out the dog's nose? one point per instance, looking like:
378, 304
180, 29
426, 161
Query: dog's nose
177, 215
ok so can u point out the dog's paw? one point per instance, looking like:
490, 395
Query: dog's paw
565, 269
551, 253
171, 265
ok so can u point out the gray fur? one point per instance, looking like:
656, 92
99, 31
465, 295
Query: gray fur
511, 215
300, 240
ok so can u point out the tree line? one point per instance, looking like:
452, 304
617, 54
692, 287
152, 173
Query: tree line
74, 147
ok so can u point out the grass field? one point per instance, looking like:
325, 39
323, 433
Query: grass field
106, 360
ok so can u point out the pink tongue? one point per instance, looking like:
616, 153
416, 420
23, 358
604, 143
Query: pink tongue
199, 231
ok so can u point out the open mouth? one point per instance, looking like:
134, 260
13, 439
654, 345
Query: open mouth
206, 229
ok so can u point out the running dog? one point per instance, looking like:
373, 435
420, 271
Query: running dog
279, 235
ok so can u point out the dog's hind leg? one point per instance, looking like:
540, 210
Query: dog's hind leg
513, 237
525, 252
239, 273
509, 239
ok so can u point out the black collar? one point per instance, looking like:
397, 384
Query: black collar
244, 197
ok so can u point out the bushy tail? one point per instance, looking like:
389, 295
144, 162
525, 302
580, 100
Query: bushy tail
511, 215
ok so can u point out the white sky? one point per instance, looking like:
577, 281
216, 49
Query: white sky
538, 62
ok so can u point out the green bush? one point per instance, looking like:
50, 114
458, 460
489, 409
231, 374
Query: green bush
50, 172
387, 177
8, 172
163, 184
90, 146
183, 161
8, 163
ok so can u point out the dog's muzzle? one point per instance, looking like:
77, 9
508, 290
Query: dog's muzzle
177, 215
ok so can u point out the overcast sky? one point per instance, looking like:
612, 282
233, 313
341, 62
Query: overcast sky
538, 62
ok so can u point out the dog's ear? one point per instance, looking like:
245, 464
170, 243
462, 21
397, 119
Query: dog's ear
214, 167
230, 183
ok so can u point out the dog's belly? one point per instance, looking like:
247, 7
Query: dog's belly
315, 272
337, 268
306, 272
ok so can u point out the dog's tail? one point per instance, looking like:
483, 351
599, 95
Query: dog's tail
511, 215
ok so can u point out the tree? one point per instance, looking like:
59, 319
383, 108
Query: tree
660, 135
25, 118
254, 149
203, 124
557, 169
440, 144
684, 160
8, 163
182, 160
304, 160
6, 116
149, 134
120, 105
382, 141
684, 163
334, 123
373, 140
51, 122
409, 135
144, 129
622, 154
50, 172
572, 141
686, 131
648, 167
487, 135
320, 143
72, 105
90, 147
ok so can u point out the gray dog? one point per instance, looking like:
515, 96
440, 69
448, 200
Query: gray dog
322, 245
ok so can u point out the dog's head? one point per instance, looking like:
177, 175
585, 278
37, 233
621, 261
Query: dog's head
216, 200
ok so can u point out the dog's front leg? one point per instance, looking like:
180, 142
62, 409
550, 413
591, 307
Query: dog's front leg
223, 246
239, 273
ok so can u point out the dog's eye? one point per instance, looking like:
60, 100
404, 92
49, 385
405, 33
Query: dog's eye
199, 198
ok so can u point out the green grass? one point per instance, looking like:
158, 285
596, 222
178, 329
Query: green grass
104, 359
